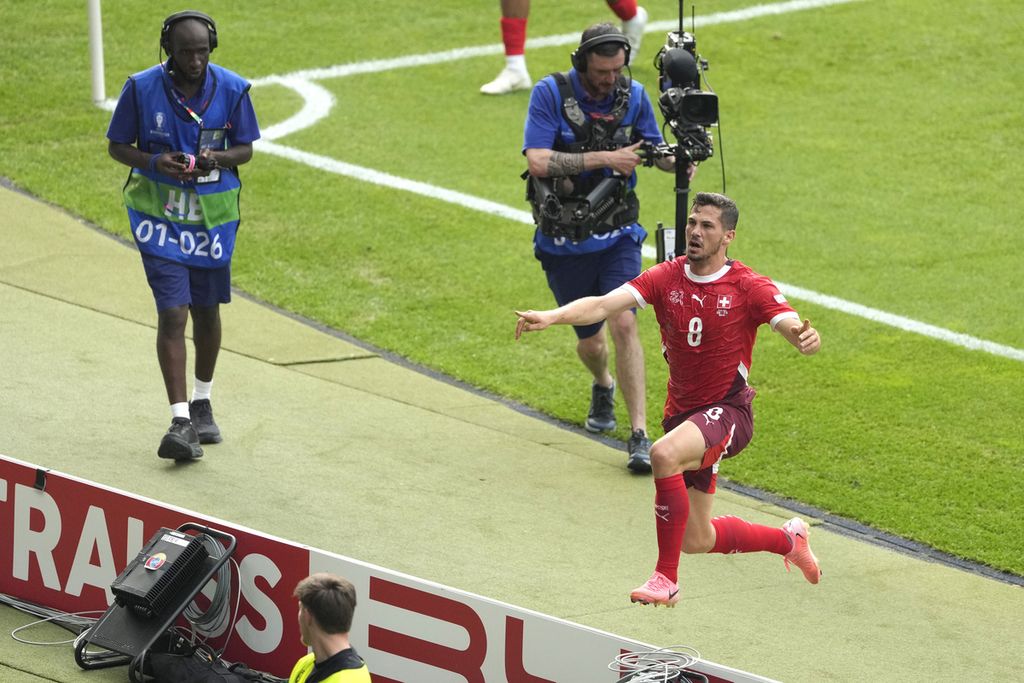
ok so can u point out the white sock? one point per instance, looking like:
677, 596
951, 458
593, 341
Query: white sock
516, 63
179, 410
202, 390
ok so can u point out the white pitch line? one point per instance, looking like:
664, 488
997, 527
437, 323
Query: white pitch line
899, 322
376, 177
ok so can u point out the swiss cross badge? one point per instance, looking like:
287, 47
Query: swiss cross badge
723, 304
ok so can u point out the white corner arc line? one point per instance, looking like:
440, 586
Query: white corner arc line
317, 102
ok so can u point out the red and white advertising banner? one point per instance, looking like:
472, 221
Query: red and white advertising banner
63, 541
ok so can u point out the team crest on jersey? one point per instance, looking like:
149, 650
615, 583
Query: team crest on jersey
724, 304
677, 297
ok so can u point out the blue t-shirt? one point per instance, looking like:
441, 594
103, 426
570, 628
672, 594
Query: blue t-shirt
546, 127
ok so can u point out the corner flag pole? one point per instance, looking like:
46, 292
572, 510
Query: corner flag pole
96, 52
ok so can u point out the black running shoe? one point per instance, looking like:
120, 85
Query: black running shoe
601, 417
639, 452
202, 418
180, 442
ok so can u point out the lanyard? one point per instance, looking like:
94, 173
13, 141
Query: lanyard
181, 100
195, 116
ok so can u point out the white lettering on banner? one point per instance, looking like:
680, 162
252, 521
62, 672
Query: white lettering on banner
134, 541
94, 535
39, 543
269, 638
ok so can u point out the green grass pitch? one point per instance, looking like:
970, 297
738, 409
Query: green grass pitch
872, 147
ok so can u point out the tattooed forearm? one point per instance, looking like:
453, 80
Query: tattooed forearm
564, 163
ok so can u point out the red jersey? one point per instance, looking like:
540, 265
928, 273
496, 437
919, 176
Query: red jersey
708, 327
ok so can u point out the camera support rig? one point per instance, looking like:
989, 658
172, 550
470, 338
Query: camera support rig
689, 112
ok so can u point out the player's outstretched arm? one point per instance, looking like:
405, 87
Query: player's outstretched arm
804, 337
589, 309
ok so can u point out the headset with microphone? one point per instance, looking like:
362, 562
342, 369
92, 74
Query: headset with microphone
169, 23
579, 55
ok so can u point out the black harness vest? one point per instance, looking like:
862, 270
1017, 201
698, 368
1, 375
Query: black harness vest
579, 206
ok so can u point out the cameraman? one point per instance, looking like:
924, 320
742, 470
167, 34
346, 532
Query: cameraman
582, 127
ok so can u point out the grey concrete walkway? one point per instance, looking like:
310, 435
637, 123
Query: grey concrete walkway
435, 481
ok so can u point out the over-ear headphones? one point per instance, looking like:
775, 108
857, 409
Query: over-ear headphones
579, 55
169, 22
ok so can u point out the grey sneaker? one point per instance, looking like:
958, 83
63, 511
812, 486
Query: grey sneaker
202, 418
639, 452
180, 442
601, 417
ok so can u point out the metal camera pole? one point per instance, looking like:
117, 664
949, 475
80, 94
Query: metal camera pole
682, 193
682, 167
689, 112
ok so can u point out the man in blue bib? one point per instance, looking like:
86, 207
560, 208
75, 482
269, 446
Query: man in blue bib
184, 127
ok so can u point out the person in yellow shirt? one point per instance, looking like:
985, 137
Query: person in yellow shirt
326, 606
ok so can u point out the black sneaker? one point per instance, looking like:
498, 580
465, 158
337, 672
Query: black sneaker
181, 441
202, 417
601, 417
639, 452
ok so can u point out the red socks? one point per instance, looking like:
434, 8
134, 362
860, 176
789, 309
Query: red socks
624, 9
513, 34
734, 535
671, 509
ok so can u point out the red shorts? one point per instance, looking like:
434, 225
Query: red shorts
727, 429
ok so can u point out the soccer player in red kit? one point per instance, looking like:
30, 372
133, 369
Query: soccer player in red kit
709, 308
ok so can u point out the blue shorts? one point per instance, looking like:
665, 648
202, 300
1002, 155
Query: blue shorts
175, 284
575, 276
